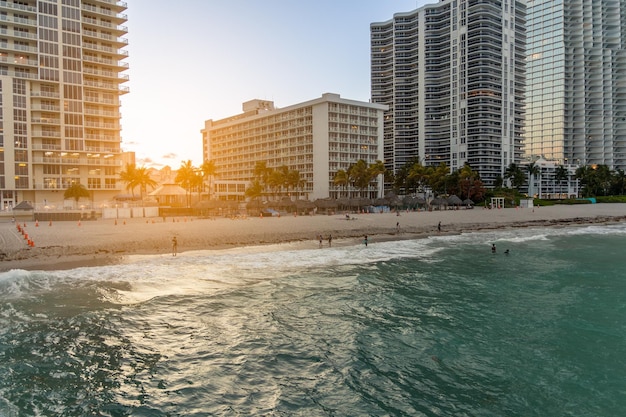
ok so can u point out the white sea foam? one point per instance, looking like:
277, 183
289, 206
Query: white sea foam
142, 278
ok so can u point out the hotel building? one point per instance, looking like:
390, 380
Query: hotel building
317, 138
576, 72
452, 74
60, 84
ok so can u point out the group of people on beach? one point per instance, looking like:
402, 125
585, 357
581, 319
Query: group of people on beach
321, 240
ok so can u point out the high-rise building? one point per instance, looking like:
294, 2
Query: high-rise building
452, 74
60, 84
576, 72
316, 138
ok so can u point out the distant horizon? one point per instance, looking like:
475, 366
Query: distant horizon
183, 72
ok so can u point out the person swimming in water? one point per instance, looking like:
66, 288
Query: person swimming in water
493, 248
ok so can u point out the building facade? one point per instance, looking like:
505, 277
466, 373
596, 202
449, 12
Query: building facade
61, 65
553, 180
317, 138
452, 74
576, 71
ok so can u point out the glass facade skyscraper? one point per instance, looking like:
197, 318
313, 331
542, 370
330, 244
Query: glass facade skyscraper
576, 72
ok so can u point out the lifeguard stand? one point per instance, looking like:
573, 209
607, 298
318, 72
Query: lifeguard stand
497, 202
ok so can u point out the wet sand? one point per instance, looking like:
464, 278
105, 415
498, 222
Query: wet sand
63, 245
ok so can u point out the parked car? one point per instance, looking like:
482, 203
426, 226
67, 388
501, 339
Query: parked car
268, 212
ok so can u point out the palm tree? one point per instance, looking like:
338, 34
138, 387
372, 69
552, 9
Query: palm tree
619, 181
262, 173
360, 175
466, 179
208, 170
144, 180
437, 178
129, 176
254, 191
533, 170
137, 177
560, 175
420, 174
186, 177
293, 180
515, 174
275, 181
76, 191
376, 169
341, 179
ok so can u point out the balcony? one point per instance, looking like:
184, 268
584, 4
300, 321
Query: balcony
19, 21
115, 3
47, 94
45, 121
105, 61
19, 60
93, 9
18, 7
108, 50
105, 86
104, 37
98, 100
106, 25
19, 34
100, 125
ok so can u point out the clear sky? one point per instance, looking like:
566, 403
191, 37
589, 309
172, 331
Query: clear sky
194, 60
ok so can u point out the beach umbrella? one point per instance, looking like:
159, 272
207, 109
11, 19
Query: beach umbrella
360, 202
381, 202
304, 205
454, 200
393, 200
325, 203
439, 202
285, 203
343, 202
468, 202
413, 202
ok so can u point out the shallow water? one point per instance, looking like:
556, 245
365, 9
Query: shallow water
428, 327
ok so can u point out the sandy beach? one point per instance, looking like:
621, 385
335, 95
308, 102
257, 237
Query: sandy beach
63, 245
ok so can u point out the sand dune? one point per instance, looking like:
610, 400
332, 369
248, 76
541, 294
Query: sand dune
69, 244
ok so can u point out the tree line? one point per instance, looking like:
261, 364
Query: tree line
595, 180
415, 178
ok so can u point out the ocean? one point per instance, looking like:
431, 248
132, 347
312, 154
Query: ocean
428, 327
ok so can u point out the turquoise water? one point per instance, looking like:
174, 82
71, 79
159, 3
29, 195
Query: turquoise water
430, 327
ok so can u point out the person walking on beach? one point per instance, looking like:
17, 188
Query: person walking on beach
330, 240
365, 240
320, 239
439, 227
174, 246
397, 227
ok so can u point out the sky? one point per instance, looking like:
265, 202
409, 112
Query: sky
195, 60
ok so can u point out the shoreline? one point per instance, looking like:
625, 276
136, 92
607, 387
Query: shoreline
68, 245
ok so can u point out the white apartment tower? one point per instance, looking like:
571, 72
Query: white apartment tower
452, 74
576, 71
317, 138
60, 84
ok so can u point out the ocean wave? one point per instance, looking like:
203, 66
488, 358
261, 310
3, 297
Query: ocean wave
143, 278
